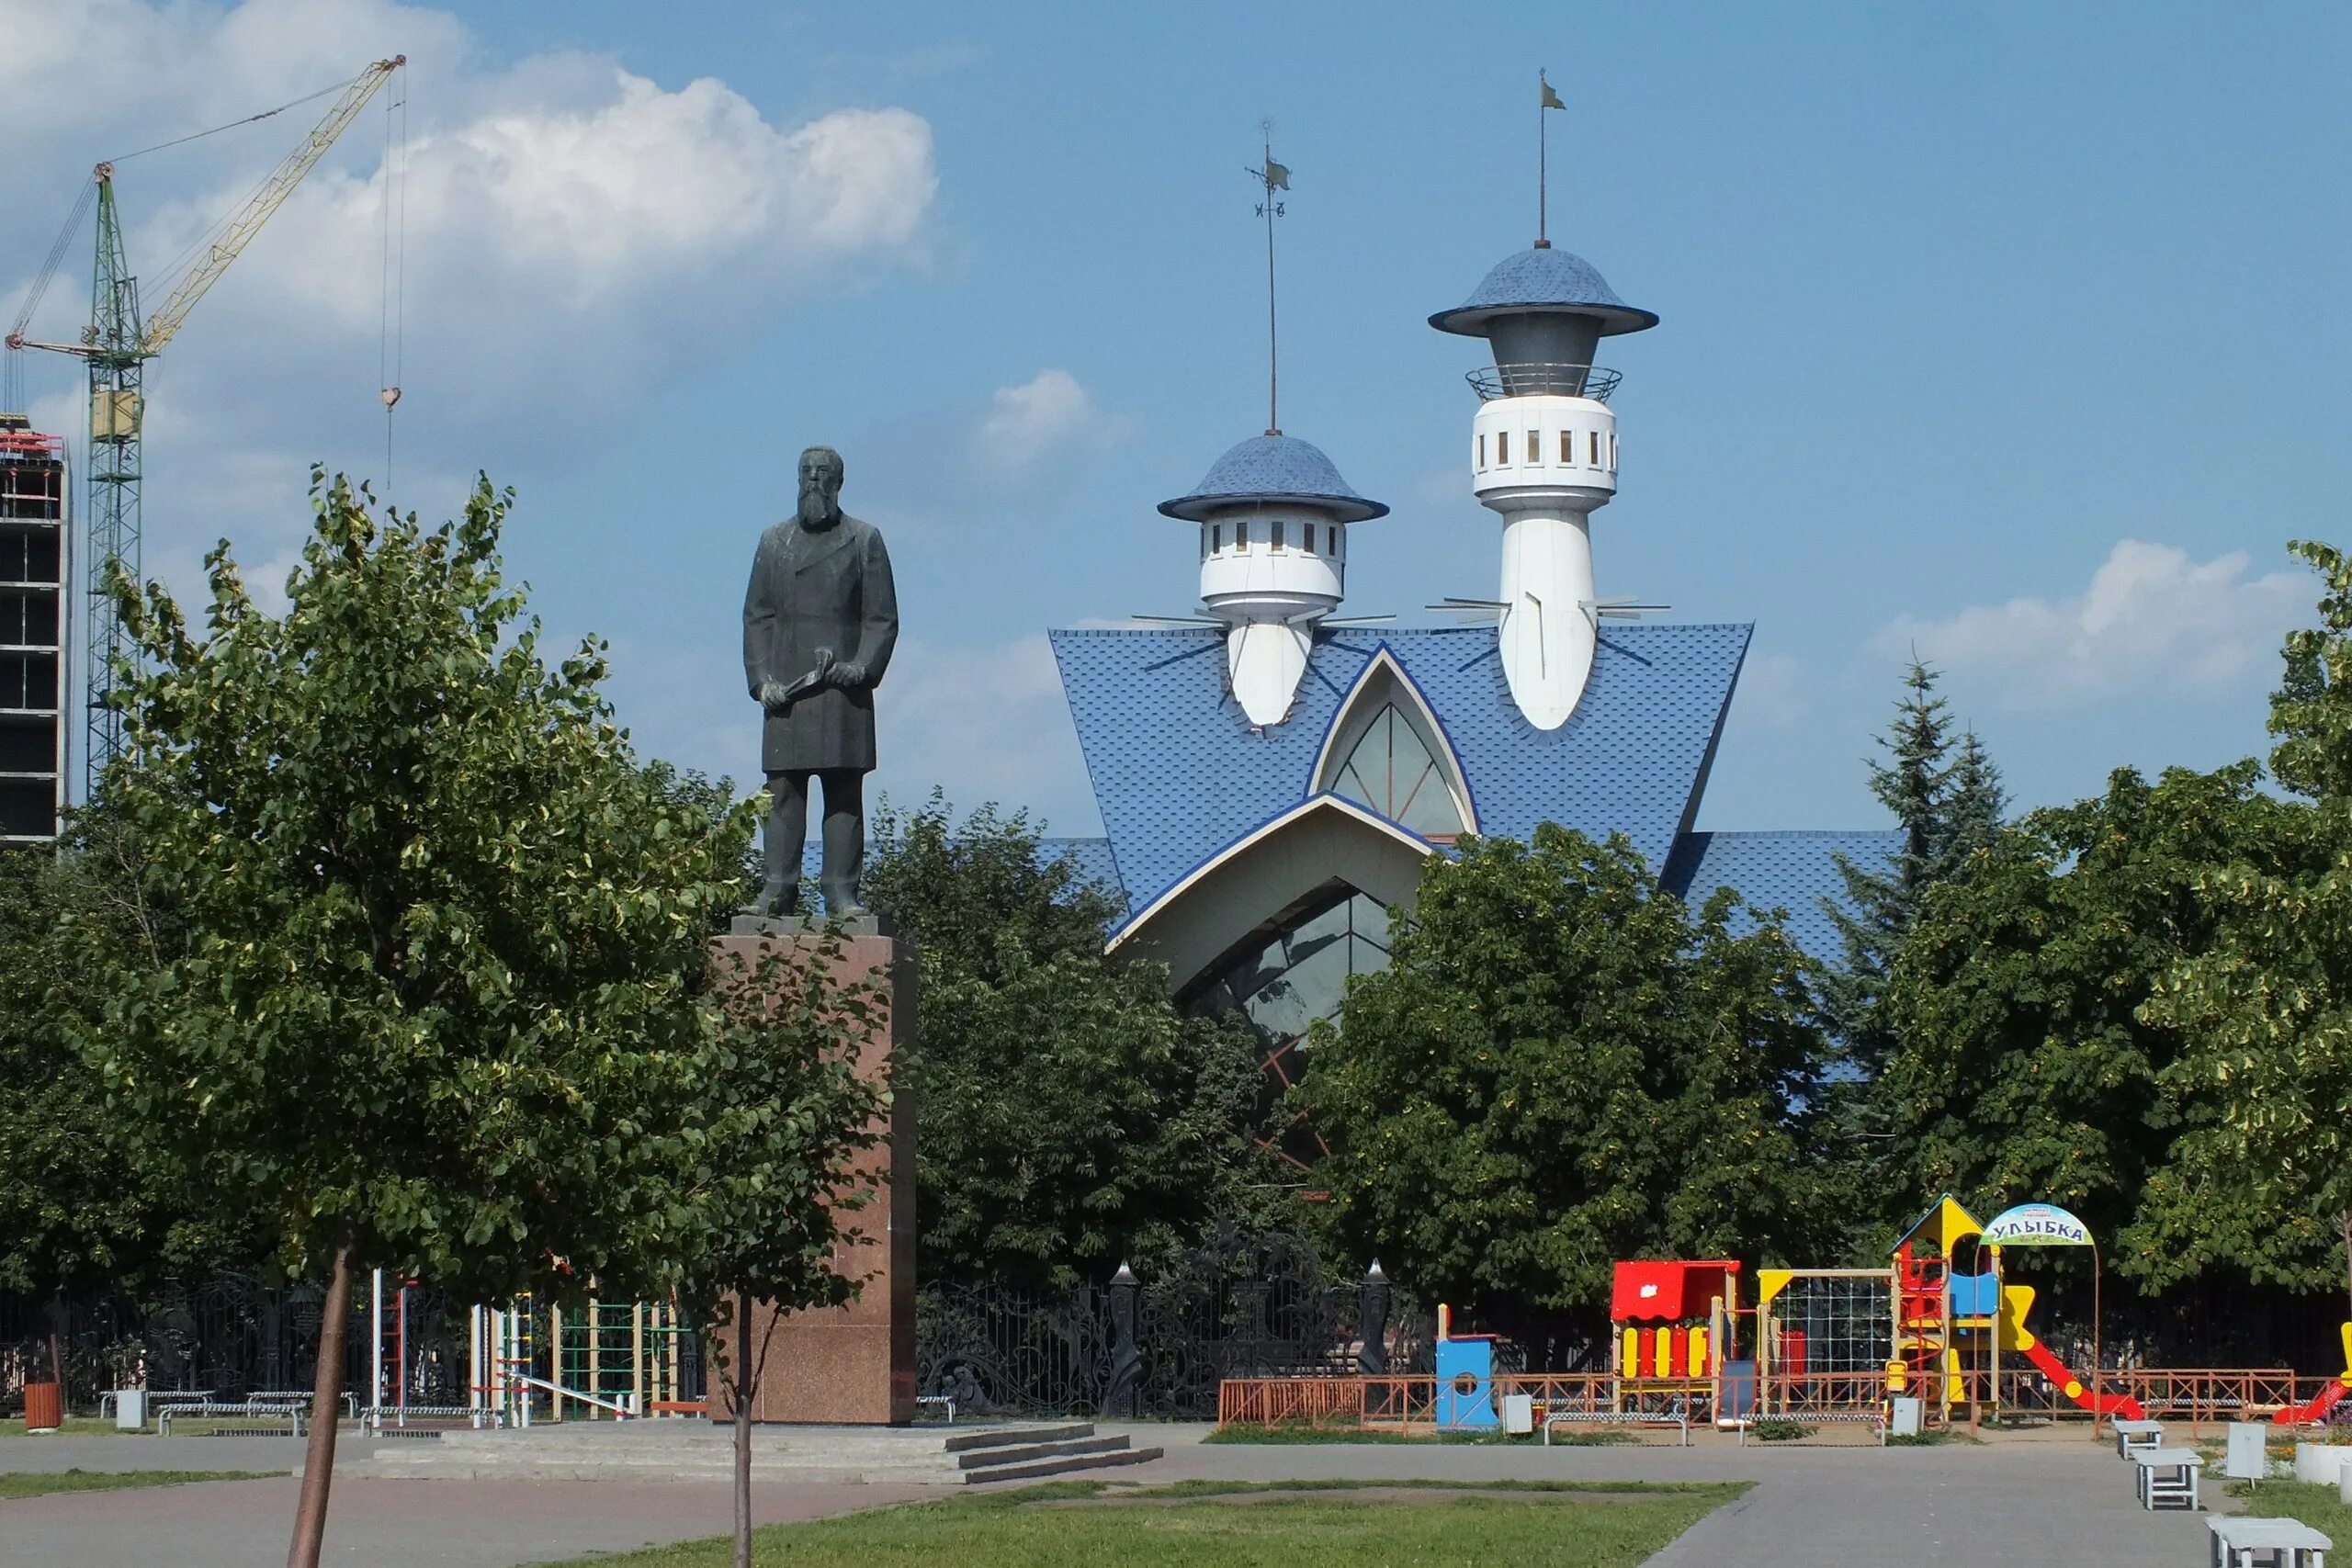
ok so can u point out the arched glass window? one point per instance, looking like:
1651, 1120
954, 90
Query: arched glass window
1391, 770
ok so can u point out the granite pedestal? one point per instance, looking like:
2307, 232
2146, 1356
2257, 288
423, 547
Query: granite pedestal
854, 1364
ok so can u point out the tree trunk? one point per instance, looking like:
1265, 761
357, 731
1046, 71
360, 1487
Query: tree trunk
326, 1406
746, 1383
57, 1346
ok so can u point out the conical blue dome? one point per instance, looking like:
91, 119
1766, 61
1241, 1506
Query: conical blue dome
1274, 468
1544, 279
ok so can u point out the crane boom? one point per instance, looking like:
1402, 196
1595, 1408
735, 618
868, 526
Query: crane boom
248, 219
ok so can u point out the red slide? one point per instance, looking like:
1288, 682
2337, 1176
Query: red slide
2313, 1409
2053, 1369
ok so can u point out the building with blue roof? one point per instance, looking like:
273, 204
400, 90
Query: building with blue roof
1273, 777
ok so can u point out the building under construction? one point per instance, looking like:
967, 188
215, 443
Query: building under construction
33, 567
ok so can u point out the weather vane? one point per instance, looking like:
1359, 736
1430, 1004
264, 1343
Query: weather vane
1271, 179
1545, 99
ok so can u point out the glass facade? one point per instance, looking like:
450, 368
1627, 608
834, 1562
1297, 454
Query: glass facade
1390, 769
1285, 978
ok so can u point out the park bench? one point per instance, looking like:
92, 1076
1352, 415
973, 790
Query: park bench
373, 1416
2133, 1436
2288, 1543
2168, 1477
297, 1411
937, 1401
1675, 1419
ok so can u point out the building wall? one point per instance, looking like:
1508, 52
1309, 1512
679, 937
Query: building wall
34, 617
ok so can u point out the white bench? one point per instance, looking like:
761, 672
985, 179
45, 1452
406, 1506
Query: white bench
939, 1401
2168, 1477
2289, 1543
298, 1412
2133, 1436
372, 1418
1615, 1418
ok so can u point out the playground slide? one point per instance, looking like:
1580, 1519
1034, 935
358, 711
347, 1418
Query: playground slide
2053, 1369
2317, 1409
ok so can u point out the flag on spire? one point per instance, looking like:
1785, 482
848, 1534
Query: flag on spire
1277, 176
1550, 99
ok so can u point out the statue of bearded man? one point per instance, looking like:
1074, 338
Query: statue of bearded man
819, 620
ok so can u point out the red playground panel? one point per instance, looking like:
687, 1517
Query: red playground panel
1668, 1292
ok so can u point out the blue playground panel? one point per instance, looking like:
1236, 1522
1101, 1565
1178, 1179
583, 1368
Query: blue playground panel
1466, 1385
1974, 1295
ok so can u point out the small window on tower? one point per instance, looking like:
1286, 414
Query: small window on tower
1534, 446
1216, 537
1596, 448
1242, 534
1613, 451
1502, 449
1278, 533
1567, 447
1482, 451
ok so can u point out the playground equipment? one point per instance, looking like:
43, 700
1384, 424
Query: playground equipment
2317, 1408
608, 1360
1669, 1321
1466, 1378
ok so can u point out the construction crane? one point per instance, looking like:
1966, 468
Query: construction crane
116, 345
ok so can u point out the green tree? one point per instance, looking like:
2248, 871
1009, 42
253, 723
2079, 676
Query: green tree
2029, 1066
779, 1117
1071, 1117
444, 936
1561, 1067
2266, 1161
1947, 807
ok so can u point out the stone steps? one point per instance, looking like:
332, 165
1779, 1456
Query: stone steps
697, 1451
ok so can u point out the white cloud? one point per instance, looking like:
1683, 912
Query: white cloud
1024, 423
1772, 691
985, 724
2151, 622
573, 232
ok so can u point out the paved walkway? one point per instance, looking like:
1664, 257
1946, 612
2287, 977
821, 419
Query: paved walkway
2061, 1499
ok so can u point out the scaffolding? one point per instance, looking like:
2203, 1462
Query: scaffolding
35, 563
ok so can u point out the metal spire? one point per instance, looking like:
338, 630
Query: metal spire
1272, 178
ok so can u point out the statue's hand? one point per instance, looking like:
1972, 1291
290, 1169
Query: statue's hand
849, 676
774, 694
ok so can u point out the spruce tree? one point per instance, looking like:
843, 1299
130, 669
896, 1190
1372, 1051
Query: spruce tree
1945, 806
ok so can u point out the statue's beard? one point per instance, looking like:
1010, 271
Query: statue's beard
816, 510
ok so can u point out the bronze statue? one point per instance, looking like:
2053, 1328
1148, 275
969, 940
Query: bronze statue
819, 620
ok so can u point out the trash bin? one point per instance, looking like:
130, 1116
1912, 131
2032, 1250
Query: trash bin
131, 1410
44, 1407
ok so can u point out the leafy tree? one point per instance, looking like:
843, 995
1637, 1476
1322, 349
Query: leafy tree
2029, 1066
1947, 807
779, 1117
2267, 1007
1561, 1067
1070, 1116
445, 937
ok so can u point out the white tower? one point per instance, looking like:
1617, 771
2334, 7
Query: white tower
1273, 513
1544, 454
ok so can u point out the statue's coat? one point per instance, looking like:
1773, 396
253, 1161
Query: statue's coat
820, 588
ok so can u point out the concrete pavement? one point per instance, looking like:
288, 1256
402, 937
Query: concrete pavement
2061, 1498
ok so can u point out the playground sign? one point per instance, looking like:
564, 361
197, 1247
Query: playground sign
2037, 1225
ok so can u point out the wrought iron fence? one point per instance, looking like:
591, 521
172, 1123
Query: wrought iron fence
1239, 1307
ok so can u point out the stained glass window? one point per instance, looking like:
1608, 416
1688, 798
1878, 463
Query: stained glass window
1391, 770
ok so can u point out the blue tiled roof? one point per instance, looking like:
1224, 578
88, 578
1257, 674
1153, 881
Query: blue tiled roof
1793, 871
1180, 773
1273, 469
1536, 278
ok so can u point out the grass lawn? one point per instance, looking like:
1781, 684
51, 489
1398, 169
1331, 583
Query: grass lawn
1234, 1524
75, 1427
21, 1484
2317, 1506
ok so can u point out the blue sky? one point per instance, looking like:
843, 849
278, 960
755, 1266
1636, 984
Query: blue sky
2014, 332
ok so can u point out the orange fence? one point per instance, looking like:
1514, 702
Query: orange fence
2196, 1395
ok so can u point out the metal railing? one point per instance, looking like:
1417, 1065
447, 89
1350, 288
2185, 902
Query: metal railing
1528, 378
